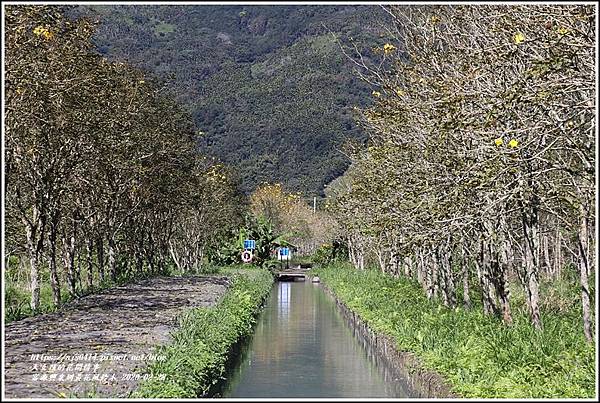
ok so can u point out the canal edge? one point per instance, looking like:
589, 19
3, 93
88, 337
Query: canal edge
234, 353
424, 382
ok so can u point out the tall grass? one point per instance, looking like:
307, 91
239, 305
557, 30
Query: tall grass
477, 354
195, 359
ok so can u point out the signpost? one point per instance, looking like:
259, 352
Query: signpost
249, 247
284, 254
247, 256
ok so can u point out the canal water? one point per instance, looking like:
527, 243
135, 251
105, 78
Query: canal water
302, 347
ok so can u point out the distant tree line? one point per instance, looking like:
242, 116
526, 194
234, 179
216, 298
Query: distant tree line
104, 179
292, 217
481, 163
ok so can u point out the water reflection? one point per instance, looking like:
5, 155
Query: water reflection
283, 300
304, 349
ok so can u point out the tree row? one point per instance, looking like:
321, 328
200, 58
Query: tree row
481, 164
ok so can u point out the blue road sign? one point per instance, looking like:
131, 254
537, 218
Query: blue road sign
284, 251
250, 244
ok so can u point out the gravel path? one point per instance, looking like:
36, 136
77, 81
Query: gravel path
97, 345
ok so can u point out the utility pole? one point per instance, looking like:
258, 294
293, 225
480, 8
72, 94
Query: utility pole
314, 205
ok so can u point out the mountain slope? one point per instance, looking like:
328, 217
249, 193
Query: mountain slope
267, 85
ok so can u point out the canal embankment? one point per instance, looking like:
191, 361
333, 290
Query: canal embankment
422, 383
96, 345
473, 354
206, 339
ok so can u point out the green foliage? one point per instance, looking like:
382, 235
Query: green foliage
196, 358
479, 355
268, 85
329, 253
16, 303
230, 249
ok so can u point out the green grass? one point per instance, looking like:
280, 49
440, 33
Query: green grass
477, 354
17, 301
196, 358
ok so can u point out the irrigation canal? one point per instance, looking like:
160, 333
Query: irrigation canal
302, 347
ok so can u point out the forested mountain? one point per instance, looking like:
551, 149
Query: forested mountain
267, 85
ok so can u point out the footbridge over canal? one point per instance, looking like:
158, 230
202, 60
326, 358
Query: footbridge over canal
297, 273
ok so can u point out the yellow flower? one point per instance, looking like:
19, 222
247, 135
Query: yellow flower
41, 31
376, 93
399, 92
19, 90
513, 143
518, 38
388, 48
435, 19
499, 141
142, 81
563, 31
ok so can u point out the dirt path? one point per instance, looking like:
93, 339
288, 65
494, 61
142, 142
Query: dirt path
97, 345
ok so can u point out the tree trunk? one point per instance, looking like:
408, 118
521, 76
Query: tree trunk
584, 272
351, 255
465, 277
112, 264
435, 289
54, 278
174, 256
139, 261
69, 262
546, 253
502, 291
488, 294
381, 258
408, 266
558, 263
504, 265
35, 243
531, 239
450, 286
444, 264
465, 280
431, 276
89, 247
151, 249
421, 269
100, 256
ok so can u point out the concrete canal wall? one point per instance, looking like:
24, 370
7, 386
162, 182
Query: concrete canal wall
404, 365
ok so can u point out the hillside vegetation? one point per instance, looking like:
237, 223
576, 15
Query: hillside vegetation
268, 87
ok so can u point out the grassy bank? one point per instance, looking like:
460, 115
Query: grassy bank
478, 355
195, 359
